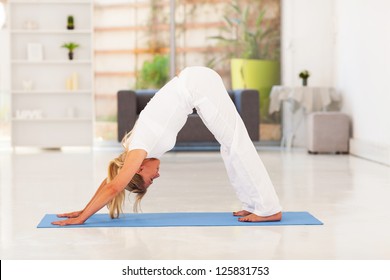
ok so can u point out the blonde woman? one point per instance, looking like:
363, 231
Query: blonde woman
155, 133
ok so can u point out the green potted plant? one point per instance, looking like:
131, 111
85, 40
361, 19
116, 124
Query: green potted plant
71, 47
153, 74
253, 49
70, 23
304, 75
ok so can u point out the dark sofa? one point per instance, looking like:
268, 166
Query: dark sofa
194, 132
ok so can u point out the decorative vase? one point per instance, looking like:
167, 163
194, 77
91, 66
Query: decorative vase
27, 84
256, 74
70, 25
304, 82
70, 55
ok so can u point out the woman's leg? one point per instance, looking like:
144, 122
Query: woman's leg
245, 169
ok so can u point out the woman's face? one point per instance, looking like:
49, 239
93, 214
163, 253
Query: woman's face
149, 170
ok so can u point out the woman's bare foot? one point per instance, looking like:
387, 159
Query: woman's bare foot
255, 218
241, 213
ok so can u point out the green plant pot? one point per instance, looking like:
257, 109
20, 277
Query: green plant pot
256, 74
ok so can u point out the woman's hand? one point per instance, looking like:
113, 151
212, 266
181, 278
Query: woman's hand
71, 221
107, 190
70, 214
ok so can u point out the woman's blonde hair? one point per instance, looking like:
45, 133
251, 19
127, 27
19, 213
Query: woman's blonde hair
136, 185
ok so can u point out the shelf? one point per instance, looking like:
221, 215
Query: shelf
48, 31
69, 2
53, 120
43, 62
52, 92
49, 114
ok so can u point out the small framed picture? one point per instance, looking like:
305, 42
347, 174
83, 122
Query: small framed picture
34, 52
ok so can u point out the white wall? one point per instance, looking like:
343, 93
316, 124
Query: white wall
4, 60
363, 73
5, 54
4, 88
345, 44
307, 41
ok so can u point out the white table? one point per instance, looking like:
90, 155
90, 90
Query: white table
296, 103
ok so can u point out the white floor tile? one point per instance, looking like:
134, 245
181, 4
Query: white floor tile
350, 195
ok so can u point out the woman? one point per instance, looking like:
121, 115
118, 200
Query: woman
155, 133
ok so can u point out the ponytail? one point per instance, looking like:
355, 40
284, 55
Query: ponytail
135, 186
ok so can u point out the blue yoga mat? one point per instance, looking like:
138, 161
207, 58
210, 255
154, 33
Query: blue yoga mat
181, 219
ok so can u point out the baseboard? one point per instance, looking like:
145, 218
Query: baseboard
372, 151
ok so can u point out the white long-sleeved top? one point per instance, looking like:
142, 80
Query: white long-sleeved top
161, 120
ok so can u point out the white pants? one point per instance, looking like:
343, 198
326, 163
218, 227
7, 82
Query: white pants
204, 90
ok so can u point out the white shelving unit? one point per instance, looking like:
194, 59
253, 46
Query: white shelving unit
47, 111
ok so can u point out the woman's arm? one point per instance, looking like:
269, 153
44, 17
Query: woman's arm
77, 213
109, 190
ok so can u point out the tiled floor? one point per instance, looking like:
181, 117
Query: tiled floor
350, 195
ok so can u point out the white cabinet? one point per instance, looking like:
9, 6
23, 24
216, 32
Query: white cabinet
52, 96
